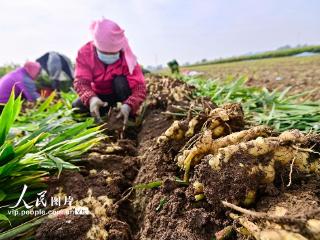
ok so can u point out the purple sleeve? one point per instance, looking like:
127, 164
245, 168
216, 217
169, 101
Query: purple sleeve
28, 88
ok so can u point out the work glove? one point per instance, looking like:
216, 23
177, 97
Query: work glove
95, 105
124, 112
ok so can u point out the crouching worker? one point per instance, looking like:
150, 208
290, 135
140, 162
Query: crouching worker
59, 70
107, 72
22, 80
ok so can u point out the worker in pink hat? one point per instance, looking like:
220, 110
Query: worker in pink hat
107, 72
22, 81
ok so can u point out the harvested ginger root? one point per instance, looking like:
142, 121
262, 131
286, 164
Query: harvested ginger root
207, 145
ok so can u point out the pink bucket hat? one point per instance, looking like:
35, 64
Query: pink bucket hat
109, 37
33, 69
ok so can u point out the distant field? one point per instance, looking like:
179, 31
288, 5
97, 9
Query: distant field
302, 73
269, 54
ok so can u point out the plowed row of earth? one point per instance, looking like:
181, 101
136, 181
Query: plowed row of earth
167, 208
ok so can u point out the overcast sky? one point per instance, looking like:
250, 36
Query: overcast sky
158, 30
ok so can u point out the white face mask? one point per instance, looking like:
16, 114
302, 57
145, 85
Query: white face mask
108, 58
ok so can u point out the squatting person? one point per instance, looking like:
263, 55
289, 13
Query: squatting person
59, 71
22, 80
107, 72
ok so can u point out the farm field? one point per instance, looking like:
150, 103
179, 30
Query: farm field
195, 168
300, 73
160, 120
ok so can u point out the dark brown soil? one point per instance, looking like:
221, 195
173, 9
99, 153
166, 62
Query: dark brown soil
118, 230
73, 227
105, 175
122, 168
178, 218
231, 183
169, 212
